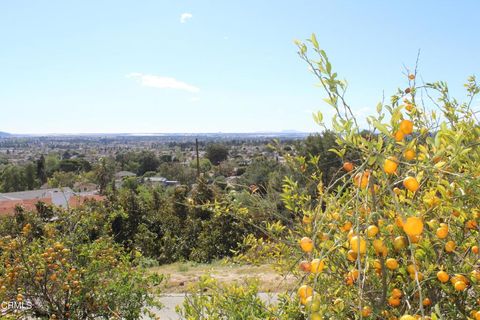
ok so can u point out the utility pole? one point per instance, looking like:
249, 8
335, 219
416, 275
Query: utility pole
198, 159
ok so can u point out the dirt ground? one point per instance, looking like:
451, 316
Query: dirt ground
182, 275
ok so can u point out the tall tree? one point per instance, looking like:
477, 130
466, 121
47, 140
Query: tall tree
216, 153
104, 172
41, 170
13, 179
30, 174
148, 162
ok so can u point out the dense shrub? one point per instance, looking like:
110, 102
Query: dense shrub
66, 269
213, 301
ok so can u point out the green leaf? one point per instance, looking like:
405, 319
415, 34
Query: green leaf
338, 153
314, 41
303, 48
330, 102
371, 161
381, 127
318, 117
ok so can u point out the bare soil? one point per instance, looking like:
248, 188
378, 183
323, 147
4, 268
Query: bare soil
180, 276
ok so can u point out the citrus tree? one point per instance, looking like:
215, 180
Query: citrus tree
394, 233
58, 268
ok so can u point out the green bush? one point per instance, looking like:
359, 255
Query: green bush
210, 300
62, 271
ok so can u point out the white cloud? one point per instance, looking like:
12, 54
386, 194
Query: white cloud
148, 80
185, 16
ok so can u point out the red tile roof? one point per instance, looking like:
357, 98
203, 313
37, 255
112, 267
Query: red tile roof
7, 207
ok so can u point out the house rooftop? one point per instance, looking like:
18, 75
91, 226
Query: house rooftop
123, 174
34, 194
64, 197
156, 179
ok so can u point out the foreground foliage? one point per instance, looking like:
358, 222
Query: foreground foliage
211, 300
58, 269
394, 231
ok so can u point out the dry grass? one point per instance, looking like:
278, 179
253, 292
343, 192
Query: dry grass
183, 274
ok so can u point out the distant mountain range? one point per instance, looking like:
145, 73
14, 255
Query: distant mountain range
4, 134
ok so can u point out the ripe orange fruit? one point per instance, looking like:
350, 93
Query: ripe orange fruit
391, 264
410, 183
475, 249
459, 277
415, 239
350, 234
409, 154
358, 244
390, 165
456, 213
411, 268
379, 247
426, 302
317, 266
471, 224
399, 135
413, 226
394, 302
372, 231
396, 293
406, 126
399, 221
442, 232
306, 244
348, 166
305, 291
351, 255
347, 226
361, 179
305, 266
442, 276
366, 311
450, 246
460, 286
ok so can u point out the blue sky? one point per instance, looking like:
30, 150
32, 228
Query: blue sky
231, 66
